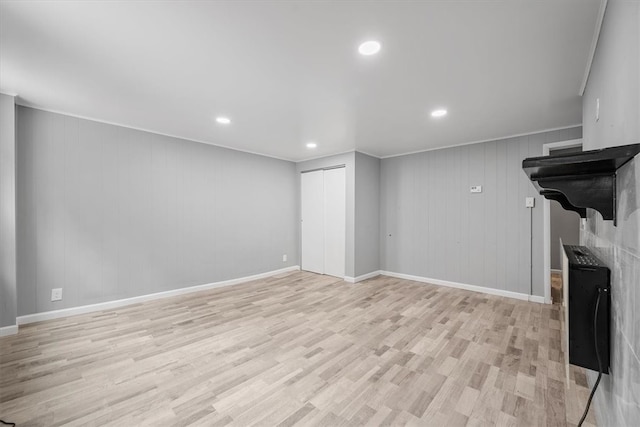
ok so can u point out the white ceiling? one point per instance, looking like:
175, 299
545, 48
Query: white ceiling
289, 72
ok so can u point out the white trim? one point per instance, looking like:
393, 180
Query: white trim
8, 330
367, 154
337, 154
594, 44
546, 220
553, 270
474, 288
322, 156
546, 148
56, 314
361, 277
500, 138
77, 116
10, 94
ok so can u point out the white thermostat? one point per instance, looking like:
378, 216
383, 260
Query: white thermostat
476, 188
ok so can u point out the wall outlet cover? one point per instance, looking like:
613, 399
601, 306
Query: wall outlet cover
476, 188
284, 258
56, 294
530, 202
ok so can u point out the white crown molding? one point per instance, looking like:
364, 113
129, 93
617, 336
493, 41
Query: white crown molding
483, 140
594, 45
106, 122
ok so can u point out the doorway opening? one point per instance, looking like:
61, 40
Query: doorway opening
560, 227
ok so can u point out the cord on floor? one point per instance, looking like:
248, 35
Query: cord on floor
8, 423
595, 337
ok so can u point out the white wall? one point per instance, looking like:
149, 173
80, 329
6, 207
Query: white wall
367, 215
107, 212
7, 212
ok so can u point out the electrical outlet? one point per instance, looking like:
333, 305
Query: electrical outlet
284, 258
476, 188
597, 109
56, 294
530, 202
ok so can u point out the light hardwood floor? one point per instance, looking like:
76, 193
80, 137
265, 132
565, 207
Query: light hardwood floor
297, 349
556, 288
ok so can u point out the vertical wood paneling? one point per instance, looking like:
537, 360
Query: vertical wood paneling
512, 208
490, 213
447, 233
367, 214
524, 224
8, 210
535, 146
25, 218
477, 219
421, 212
406, 216
109, 213
431, 202
501, 215
464, 254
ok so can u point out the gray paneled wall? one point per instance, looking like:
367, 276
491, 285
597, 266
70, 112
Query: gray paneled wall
432, 226
106, 212
367, 214
614, 79
7, 211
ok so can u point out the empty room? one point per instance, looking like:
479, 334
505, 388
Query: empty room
320, 213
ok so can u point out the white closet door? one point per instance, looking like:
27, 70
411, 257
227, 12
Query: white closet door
334, 221
313, 221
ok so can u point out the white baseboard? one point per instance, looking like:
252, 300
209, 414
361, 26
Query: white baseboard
474, 288
8, 330
553, 270
65, 312
361, 277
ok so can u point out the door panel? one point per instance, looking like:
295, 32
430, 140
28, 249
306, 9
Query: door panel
334, 222
312, 210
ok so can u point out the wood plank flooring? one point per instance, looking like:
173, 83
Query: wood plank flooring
299, 349
556, 288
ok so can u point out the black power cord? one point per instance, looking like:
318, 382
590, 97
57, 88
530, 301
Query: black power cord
595, 337
8, 424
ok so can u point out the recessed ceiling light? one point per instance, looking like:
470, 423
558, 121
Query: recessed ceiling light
370, 47
311, 145
438, 113
223, 120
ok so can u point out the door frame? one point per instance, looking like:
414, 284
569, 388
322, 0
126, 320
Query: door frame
322, 168
546, 214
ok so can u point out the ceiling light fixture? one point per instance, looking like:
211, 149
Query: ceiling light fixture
223, 120
311, 145
368, 48
439, 113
